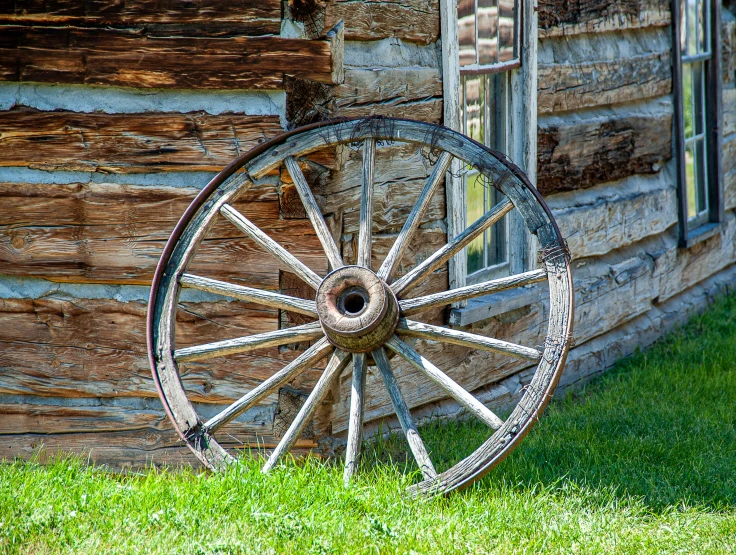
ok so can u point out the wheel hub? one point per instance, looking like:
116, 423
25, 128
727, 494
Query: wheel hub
357, 309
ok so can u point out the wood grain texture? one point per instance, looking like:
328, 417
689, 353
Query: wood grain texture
130, 58
572, 86
561, 18
409, 20
411, 92
116, 233
97, 348
583, 151
610, 217
124, 143
201, 18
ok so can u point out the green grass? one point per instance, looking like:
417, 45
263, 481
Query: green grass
643, 461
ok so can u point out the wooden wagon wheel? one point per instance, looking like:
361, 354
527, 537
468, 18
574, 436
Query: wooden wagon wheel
363, 316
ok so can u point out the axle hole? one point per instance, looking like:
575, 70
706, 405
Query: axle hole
353, 302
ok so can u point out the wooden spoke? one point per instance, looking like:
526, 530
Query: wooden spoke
314, 213
465, 339
309, 357
445, 382
440, 257
402, 412
366, 204
306, 332
410, 306
268, 244
415, 217
355, 423
259, 296
337, 363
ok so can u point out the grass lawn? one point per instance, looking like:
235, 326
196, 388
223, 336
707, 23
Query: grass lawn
643, 461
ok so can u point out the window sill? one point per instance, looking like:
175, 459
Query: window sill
496, 304
700, 234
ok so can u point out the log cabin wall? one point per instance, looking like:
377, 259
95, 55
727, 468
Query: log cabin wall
114, 117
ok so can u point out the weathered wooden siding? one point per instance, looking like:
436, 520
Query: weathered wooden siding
95, 187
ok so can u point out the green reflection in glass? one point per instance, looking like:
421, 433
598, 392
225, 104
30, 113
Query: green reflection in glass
475, 203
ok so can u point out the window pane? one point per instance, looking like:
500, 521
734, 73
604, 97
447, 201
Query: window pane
474, 209
496, 241
475, 107
700, 176
698, 110
466, 31
687, 98
683, 26
497, 106
507, 30
692, 26
487, 31
704, 27
690, 179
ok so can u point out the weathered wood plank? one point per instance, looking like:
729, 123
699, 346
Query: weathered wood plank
729, 111
116, 233
413, 92
609, 217
582, 151
205, 17
572, 86
129, 58
560, 17
97, 348
136, 449
409, 20
728, 48
123, 143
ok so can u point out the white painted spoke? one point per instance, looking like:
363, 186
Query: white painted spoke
366, 204
309, 357
440, 257
416, 444
314, 213
445, 382
456, 337
259, 296
337, 363
307, 332
355, 422
410, 306
415, 217
268, 244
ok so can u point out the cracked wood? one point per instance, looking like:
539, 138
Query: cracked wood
128, 143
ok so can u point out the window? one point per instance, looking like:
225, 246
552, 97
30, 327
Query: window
488, 53
697, 93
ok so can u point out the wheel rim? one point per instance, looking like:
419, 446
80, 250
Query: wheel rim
350, 292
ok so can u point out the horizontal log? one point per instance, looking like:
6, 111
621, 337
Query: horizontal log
563, 18
97, 348
409, 20
572, 86
582, 151
129, 58
414, 92
610, 217
125, 143
202, 18
116, 233
138, 449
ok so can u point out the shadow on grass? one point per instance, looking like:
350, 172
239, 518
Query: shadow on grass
661, 426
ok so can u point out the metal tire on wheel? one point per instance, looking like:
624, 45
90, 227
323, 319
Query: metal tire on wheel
363, 316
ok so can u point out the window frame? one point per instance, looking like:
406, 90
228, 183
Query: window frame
521, 127
691, 233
